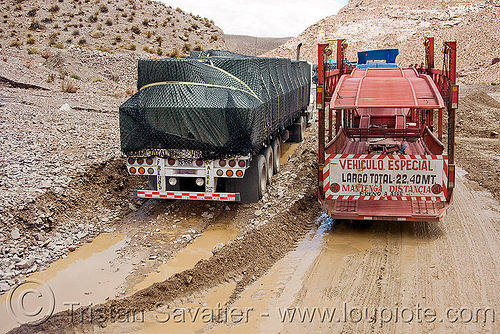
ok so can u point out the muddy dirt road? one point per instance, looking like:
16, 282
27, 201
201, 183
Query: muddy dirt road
386, 277
378, 277
245, 269
275, 266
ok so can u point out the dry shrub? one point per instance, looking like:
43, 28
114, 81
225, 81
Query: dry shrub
68, 86
54, 9
174, 53
33, 51
46, 53
131, 90
118, 94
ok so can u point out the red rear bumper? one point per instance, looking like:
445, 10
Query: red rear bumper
411, 210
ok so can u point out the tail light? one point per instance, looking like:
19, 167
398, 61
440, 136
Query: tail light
149, 161
319, 97
232, 163
454, 96
222, 163
199, 162
242, 163
451, 176
140, 161
171, 162
131, 161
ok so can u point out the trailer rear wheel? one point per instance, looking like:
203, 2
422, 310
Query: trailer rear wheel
253, 185
269, 156
276, 145
303, 124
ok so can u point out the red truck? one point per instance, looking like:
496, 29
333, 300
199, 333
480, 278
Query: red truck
381, 155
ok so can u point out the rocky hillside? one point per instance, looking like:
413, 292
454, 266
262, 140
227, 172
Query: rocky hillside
368, 24
117, 26
252, 46
78, 58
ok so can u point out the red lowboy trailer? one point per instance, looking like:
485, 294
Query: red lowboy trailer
380, 155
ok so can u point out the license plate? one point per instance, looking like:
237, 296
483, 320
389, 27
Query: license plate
185, 163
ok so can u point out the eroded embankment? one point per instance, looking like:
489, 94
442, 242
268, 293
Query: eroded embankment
58, 222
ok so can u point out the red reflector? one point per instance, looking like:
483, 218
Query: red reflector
454, 89
131, 161
140, 161
222, 163
319, 96
232, 163
335, 187
171, 162
149, 161
199, 162
242, 163
436, 189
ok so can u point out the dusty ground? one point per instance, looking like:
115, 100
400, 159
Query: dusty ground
252, 46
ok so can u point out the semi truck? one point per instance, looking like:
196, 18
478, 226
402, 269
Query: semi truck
210, 126
381, 130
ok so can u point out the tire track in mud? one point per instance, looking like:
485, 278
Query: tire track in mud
451, 264
394, 273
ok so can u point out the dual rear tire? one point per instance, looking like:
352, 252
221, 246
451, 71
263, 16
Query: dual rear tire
276, 147
253, 185
259, 175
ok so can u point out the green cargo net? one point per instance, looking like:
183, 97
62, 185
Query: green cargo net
214, 102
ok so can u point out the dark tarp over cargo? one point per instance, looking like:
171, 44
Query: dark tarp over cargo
215, 103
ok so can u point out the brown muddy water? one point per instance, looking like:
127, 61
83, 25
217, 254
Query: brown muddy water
86, 276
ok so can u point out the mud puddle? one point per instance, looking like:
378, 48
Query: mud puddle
199, 249
287, 150
87, 276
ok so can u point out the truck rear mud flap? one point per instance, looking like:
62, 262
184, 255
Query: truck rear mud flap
228, 197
